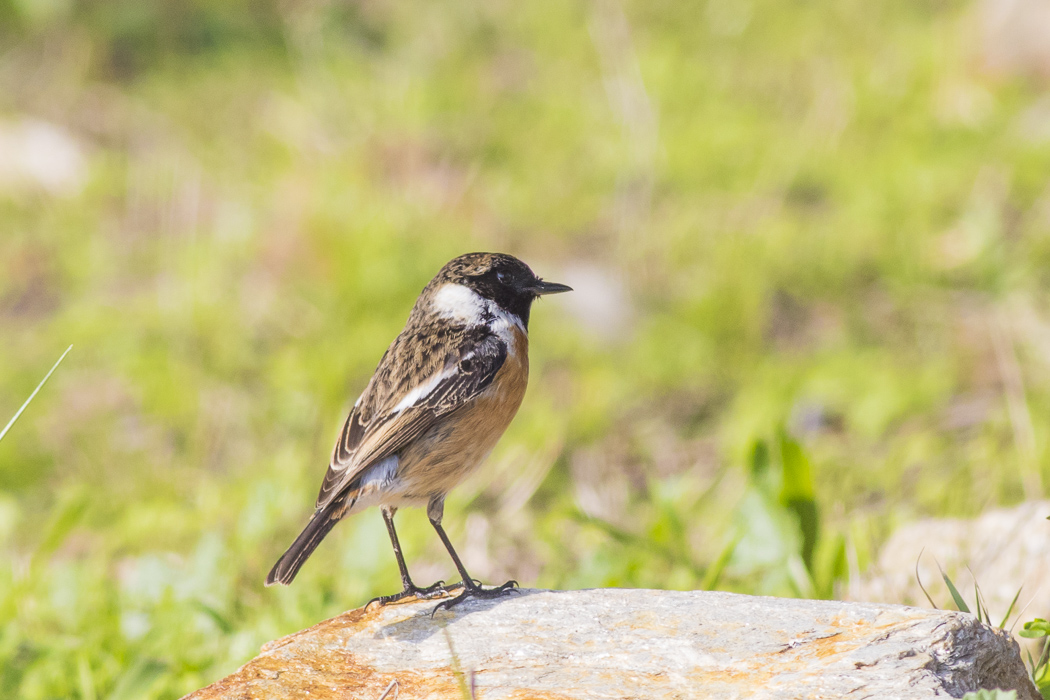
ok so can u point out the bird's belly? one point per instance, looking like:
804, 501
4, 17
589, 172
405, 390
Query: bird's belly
447, 453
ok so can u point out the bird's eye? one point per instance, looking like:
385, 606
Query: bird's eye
501, 276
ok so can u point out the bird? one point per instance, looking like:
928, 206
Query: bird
441, 397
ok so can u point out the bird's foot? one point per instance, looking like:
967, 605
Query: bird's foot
473, 583
437, 590
474, 590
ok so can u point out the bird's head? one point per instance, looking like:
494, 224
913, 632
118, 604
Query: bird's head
495, 277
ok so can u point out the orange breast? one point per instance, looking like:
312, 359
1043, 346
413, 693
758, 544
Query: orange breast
448, 453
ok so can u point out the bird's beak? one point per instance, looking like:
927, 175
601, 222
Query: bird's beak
539, 288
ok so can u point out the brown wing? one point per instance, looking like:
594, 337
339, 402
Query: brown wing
368, 437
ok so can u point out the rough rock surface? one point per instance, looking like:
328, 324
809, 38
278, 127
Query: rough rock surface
616, 643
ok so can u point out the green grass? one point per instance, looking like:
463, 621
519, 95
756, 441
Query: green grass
830, 227
32, 396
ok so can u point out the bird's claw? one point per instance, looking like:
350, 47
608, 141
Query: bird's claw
436, 590
475, 591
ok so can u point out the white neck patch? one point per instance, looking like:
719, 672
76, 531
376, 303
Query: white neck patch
461, 303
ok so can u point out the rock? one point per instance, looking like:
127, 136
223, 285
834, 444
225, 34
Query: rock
40, 155
617, 643
1015, 36
1003, 550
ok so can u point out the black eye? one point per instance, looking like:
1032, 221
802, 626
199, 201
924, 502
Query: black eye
501, 276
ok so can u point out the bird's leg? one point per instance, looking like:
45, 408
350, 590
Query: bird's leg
472, 588
410, 589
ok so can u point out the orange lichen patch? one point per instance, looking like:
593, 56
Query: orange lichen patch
764, 668
844, 621
329, 674
755, 675
348, 619
537, 695
336, 676
831, 645
851, 634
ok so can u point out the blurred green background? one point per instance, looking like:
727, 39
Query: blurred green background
810, 243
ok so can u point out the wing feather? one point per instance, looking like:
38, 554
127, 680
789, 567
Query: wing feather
368, 436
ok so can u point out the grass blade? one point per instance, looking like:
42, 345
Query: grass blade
982, 610
137, 681
956, 596
918, 580
67, 515
983, 614
714, 572
1043, 657
1010, 609
1020, 614
31, 396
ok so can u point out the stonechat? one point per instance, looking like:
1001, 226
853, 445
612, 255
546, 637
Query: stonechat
441, 397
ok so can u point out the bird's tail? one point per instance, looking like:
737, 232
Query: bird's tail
320, 524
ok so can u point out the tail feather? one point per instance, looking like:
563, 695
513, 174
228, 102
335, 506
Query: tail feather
320, 524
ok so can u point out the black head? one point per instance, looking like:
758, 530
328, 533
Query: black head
500, 278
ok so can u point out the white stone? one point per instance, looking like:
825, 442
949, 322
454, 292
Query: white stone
616, 643
35, 153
